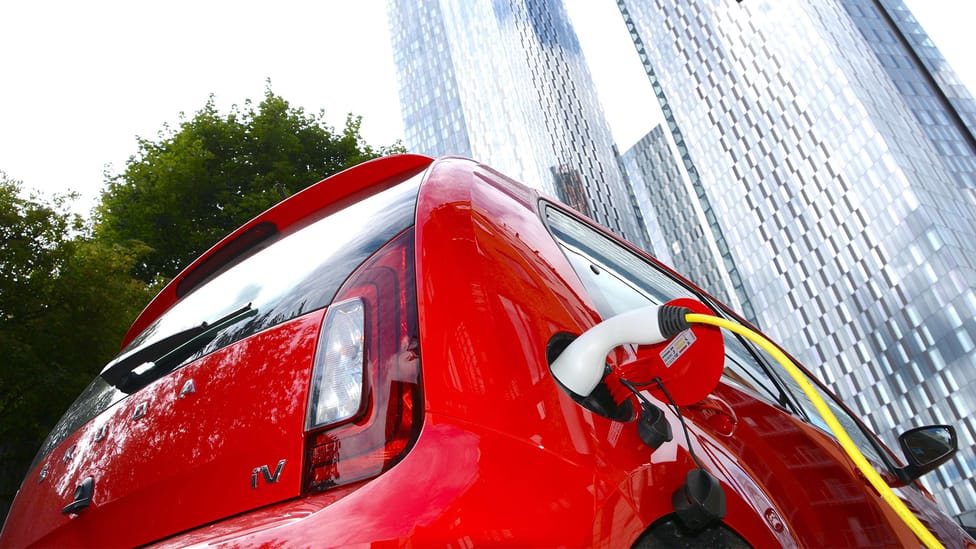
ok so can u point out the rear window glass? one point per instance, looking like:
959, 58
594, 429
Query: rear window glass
297, 273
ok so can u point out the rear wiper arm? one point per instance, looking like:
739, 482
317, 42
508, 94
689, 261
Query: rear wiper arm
162, 356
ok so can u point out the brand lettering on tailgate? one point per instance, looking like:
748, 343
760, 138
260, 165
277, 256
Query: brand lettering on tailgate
101, 433
188, 388
141, 411
266, 472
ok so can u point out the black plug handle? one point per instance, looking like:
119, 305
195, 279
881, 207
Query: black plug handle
700, 501
671, 320
82, 498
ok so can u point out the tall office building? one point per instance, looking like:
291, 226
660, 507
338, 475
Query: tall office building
677, 220
505, 82
838, 147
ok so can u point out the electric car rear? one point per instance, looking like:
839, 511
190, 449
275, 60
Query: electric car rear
370, 363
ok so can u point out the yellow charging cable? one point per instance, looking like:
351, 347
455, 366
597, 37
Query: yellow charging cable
845, 441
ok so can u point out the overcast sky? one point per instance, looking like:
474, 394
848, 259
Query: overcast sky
80, 80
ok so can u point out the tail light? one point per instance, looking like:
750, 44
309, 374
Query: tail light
365, 405
337, 378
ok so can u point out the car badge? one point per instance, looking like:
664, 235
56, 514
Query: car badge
265, 471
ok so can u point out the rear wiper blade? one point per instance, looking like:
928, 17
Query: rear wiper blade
162, 356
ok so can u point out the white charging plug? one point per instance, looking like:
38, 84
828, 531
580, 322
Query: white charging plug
580, 366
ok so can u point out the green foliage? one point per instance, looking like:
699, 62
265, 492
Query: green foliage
183, 192
70, 289
65, 303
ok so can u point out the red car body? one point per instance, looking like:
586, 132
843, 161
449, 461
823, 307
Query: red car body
461, 436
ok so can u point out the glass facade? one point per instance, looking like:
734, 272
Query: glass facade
942, 105
676, 224
837, 147
505, 82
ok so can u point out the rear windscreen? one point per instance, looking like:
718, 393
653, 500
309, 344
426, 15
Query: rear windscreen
298, 272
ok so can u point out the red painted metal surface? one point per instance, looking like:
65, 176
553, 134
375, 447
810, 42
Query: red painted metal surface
505, 456
171, 459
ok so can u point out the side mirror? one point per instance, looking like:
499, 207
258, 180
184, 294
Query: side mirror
926, 448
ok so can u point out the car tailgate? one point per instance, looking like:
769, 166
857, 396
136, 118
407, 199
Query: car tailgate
215, 438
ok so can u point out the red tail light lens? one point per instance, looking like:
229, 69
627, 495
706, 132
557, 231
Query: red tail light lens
365, 407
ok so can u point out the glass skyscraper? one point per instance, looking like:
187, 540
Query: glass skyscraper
674, 215
505, 82
838, 147
943, 106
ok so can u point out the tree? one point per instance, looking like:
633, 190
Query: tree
65, 303
69, 289
181, 193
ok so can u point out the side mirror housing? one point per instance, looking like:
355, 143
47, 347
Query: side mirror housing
926, 448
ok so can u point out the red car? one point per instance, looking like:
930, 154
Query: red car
369, 363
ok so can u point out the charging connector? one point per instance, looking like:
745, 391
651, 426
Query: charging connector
580, 367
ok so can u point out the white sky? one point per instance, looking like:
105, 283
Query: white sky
80, 80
